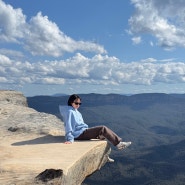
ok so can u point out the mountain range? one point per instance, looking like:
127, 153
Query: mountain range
154, 122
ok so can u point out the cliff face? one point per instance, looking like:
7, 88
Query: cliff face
32, 149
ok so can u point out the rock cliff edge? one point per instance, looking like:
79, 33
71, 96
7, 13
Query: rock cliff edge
32, 149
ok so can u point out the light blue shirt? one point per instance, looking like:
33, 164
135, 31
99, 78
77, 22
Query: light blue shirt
73, 122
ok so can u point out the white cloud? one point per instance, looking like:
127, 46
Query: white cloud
96, 70
11, 53
12, 23
45, 38
149, 60
162, 19
136, 40
39, 36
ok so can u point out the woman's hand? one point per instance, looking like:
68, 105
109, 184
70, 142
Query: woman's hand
68, 142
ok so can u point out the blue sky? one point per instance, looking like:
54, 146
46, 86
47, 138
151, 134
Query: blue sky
67, 46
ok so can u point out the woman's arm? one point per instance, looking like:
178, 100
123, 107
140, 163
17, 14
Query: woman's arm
69, 126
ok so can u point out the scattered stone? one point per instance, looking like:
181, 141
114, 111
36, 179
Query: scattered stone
13, 129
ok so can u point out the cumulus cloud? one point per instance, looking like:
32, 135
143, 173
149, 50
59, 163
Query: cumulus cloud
12, 23
162, 19
96, 70
46, 38
39, 35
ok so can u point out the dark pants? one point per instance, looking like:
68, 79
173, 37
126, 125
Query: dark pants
100, 132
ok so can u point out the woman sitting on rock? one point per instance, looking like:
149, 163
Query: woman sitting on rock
76, 129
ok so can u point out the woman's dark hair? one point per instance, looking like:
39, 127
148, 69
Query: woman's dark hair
72, 98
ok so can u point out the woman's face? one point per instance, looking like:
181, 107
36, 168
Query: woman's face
76, 104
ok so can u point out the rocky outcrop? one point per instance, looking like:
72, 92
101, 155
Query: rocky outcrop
16, 116
32, 149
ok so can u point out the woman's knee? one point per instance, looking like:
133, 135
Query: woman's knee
104, 127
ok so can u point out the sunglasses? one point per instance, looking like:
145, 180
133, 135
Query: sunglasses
76, 103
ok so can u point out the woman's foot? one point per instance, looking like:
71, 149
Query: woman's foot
123, 145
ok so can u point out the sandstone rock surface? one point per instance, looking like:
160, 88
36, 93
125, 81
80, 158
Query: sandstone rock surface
32, 145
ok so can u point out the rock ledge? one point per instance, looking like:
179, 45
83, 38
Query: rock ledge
32, 149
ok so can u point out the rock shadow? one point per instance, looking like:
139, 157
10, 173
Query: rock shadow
41, 140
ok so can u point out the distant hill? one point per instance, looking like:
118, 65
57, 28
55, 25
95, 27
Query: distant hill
161, 165
154, 122
89, 100
59, 94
